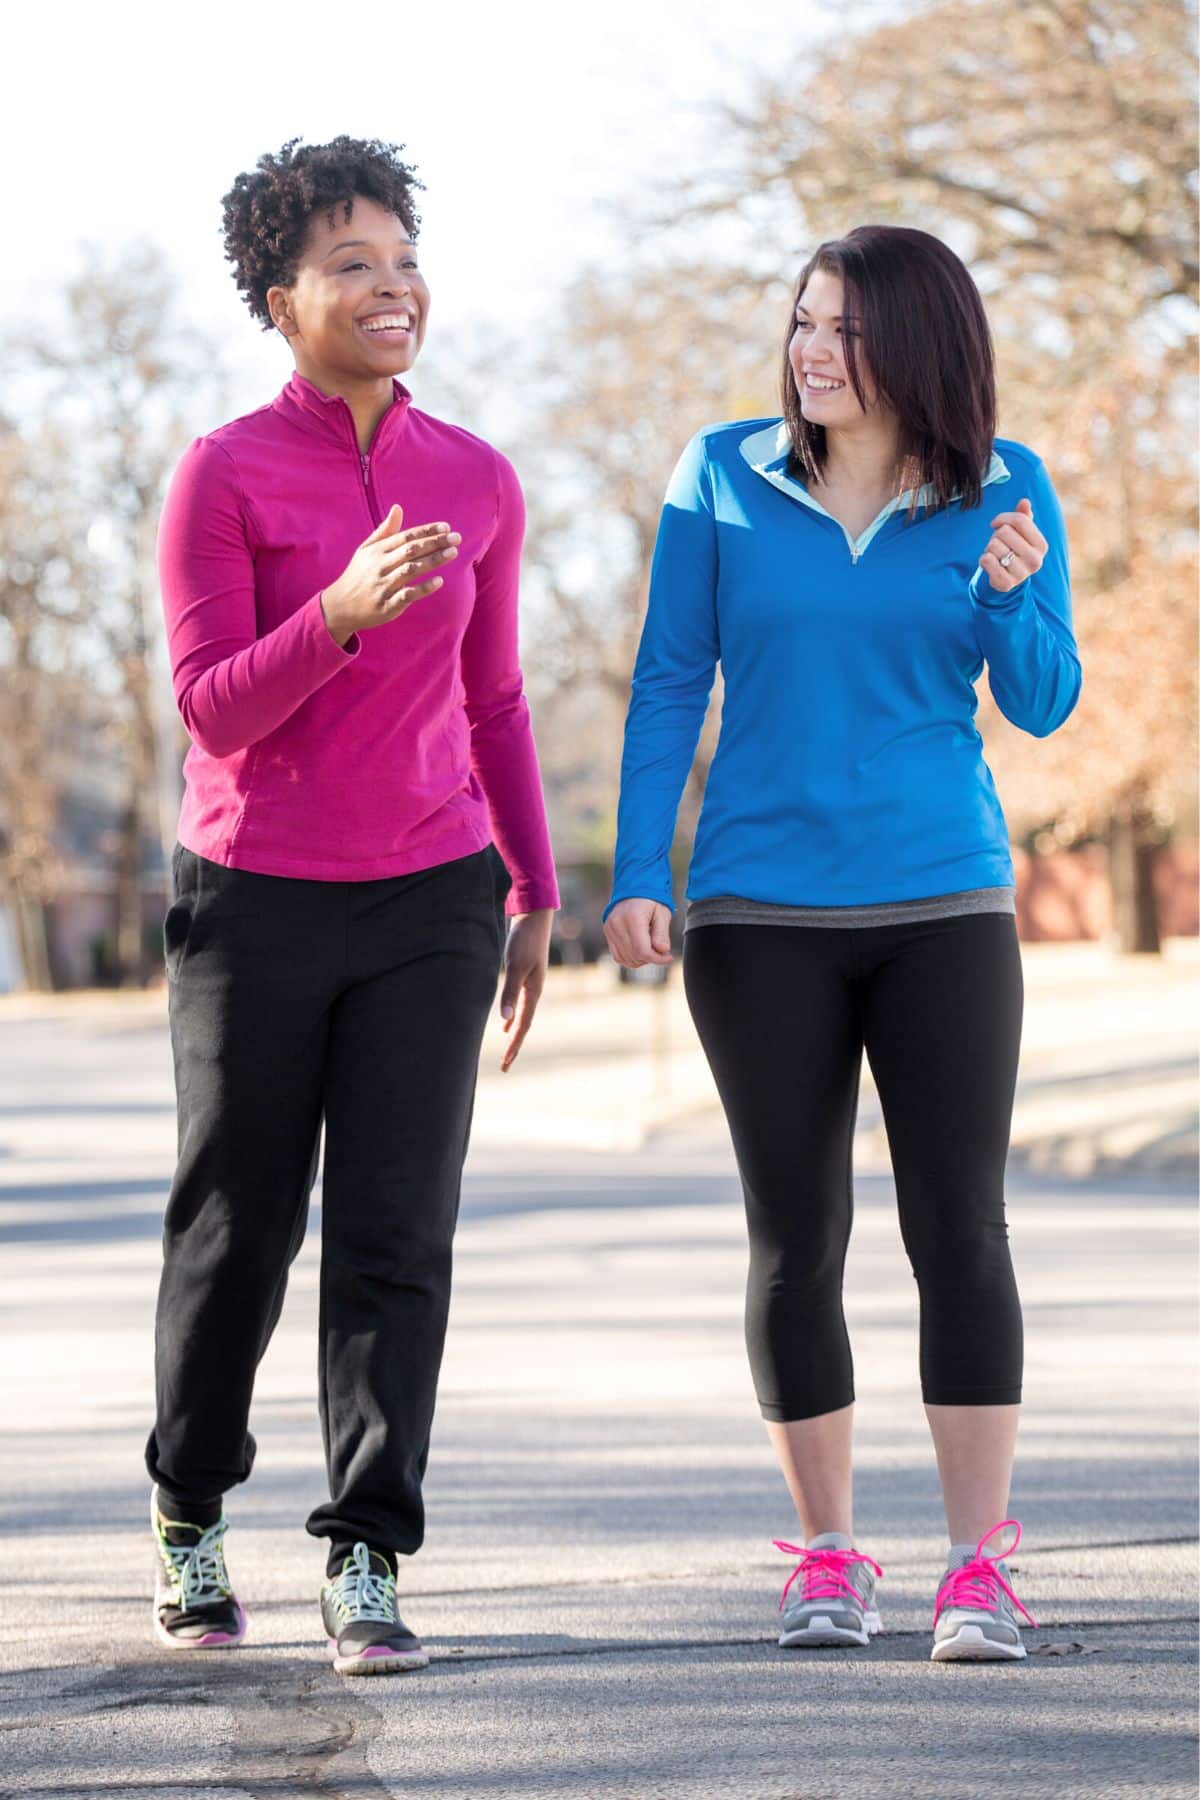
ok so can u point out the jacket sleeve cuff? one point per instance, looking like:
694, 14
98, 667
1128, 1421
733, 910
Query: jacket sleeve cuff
336, 653
648, 890
532, 896
990, 599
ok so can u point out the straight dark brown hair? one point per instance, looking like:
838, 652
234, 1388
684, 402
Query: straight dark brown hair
923, 335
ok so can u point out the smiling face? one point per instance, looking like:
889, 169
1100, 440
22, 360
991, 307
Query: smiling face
817, 354
357, 309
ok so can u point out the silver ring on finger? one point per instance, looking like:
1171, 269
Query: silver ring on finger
1005, 560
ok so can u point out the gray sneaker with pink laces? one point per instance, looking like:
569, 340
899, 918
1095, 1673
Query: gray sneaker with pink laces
834, 1594
975, 1615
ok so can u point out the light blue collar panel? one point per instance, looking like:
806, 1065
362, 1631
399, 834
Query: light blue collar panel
768, 451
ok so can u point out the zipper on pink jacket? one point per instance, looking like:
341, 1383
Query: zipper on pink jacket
364, 458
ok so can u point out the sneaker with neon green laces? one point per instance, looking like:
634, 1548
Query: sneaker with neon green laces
362, 1621
195, 1607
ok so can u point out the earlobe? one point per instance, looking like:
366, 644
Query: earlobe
281, 318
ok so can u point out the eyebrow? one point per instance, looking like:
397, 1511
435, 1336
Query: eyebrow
361, 244
837, 317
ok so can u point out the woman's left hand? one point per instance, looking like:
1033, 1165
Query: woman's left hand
1016, 539
525, 960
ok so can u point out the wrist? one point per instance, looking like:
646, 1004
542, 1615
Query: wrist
337, 628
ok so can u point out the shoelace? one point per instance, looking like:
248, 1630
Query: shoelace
360, 1592
198, 1570
823, 1572
973, 1587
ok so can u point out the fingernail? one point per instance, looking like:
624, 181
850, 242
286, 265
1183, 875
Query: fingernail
506, 1012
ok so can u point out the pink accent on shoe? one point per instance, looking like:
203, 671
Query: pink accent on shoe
379, 1650
823, 1572
973, 1587
212, 1640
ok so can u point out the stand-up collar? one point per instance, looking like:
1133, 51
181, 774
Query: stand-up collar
768, 453
328, 416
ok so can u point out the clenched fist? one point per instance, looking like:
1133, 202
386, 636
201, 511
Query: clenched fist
639, 932
387, 572
1016, 549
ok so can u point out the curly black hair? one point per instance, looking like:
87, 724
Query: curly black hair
268, 211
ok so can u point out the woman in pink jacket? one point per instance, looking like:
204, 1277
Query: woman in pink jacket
339, 577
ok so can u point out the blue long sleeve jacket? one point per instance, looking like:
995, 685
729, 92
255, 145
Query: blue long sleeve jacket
849, 768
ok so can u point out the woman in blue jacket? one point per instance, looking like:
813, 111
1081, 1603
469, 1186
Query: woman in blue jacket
852, 567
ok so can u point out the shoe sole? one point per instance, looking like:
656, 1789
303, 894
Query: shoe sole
212, 1640
969, 1644
821, 1632
379, 1662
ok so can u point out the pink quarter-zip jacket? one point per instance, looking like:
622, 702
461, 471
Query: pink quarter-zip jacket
410, 746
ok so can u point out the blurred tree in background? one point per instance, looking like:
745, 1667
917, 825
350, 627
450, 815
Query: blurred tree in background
1052, 145
34, 696
114, 394
636, 368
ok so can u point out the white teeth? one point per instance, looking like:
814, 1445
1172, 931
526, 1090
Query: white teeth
390, 322
822, 385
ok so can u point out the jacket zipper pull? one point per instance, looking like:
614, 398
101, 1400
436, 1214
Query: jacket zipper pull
365, 460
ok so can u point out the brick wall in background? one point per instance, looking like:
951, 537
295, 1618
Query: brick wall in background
1066, 895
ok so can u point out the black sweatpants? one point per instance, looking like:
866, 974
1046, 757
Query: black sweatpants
784, 1013
362, 1004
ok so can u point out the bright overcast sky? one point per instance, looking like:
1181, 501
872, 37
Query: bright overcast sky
524, 119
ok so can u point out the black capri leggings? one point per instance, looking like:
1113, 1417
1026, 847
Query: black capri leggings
784, 1013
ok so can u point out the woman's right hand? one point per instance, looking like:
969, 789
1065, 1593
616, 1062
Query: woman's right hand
387, 572
639, 932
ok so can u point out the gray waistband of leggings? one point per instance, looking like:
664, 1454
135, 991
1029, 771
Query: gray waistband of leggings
730, 909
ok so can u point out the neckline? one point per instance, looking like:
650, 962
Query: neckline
768, 450
329, 416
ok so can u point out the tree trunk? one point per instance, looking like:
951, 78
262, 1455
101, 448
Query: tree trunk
1133, 847
28, 913
128, 895
142, 777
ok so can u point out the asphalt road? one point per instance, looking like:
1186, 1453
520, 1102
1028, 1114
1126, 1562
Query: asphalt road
598, 1585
